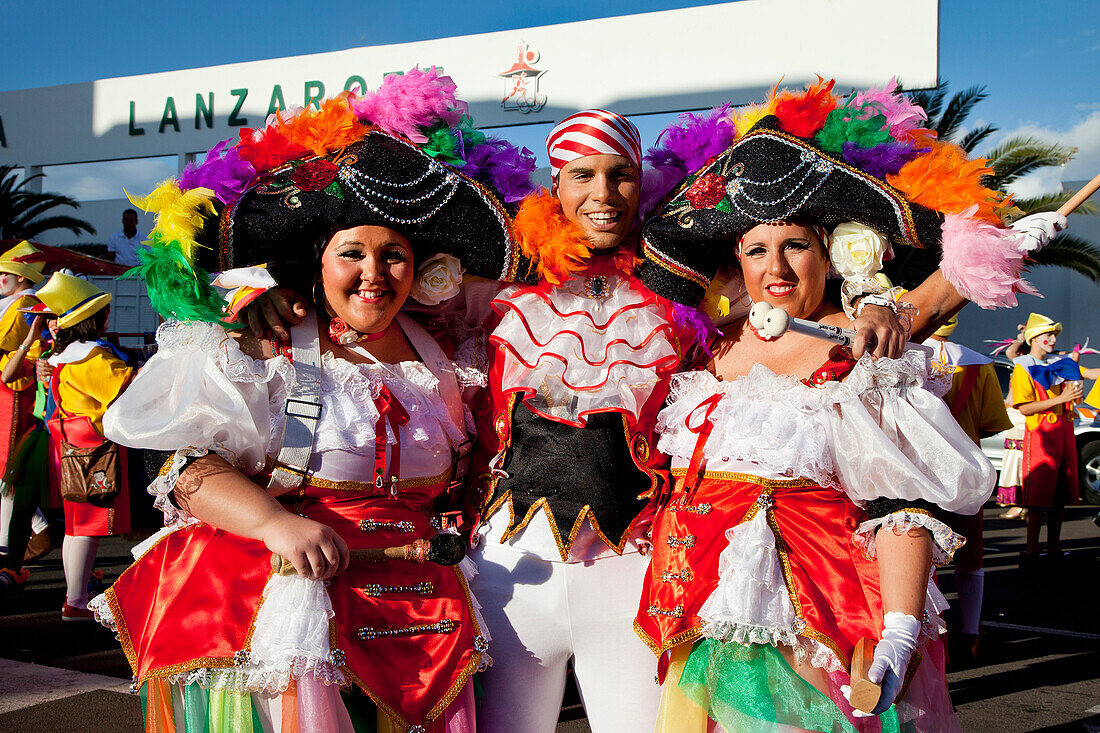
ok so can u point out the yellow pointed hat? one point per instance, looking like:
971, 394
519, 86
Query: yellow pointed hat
1037, 325
23, 260
72, 299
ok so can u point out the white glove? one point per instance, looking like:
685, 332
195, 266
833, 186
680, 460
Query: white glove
899, 641
1035, 231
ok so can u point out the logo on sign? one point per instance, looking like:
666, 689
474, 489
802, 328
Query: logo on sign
521, 83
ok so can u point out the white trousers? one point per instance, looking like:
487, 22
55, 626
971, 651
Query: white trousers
540, 615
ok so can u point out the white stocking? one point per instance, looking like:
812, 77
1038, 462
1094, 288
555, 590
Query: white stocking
7, 505
77, 557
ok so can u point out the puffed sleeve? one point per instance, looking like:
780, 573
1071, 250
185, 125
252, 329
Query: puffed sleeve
199, 393
898, 451
1021, 387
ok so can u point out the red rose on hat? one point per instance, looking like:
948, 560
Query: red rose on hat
707, 191
314, 175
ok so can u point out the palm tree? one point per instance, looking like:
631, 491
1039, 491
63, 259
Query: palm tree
1011, 160
21, 210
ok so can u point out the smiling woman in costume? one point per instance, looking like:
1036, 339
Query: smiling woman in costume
341, 438
788, 456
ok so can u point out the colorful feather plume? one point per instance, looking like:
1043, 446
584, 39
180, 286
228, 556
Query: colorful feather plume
502, 167
267, 148
177, 289
697, 324
179, 213
556, 245
222, 172
844, 125
693, 140
330, 128
902, 116
880, 160
946, 180
804, 114
982, 260
411, 103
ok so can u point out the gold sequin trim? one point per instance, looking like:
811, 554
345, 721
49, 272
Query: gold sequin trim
405, 483
563, 546
746, 478
684, 636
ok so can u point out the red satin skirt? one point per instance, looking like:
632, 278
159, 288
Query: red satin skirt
191, 601
1050, 464
833, 587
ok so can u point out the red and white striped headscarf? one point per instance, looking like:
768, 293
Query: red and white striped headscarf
593, 132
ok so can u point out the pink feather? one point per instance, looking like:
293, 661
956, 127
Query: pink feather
902, 116
408, 103
982, 261
657, 183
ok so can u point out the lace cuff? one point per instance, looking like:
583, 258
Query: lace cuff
163, 485
945, 540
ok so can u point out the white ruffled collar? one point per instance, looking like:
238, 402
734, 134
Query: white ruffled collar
74, 352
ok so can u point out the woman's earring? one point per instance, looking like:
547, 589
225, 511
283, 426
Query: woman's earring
743, 298
319, 297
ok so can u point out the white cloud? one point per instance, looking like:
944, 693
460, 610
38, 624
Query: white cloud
1085, 136
105, 180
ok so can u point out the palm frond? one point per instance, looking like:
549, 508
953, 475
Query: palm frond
33, 228
931, 100
1018, 156
1072, 253
975, 137
958, 109
1052, 201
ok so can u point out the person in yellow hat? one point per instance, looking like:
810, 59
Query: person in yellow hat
1043, 390
20, 271
89, 374
977, 404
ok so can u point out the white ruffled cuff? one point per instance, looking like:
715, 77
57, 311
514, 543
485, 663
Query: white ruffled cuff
944, 540
162, 486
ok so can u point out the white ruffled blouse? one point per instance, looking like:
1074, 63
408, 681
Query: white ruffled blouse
201, 393
884, 432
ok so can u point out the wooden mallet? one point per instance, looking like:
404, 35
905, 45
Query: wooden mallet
865, 694
443, 549
1080, 197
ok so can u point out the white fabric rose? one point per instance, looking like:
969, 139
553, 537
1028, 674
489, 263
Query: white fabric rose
440, 279
857, 251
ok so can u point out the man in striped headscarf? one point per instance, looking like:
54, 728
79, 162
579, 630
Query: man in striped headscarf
579, 366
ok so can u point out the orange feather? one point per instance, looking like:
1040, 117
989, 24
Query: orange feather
556, 245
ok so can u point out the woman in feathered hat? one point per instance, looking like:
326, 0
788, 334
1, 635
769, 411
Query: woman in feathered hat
343, 436
20, 271
789, 456
88, 376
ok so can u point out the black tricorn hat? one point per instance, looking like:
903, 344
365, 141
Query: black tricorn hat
381, 180
767, 176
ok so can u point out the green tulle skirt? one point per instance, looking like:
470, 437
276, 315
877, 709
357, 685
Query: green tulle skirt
752, 689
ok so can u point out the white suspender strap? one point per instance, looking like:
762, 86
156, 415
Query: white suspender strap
439, 365
303, 407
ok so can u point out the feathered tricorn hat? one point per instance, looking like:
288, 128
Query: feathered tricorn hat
405, 156
814, 156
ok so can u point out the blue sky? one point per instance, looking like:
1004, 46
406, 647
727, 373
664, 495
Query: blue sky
1038, 59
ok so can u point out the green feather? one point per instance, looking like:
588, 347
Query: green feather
840, 127
176, 288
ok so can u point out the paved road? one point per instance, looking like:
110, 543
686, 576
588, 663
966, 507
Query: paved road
1041, 670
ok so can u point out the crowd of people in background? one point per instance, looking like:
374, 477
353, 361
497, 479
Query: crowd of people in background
408, 341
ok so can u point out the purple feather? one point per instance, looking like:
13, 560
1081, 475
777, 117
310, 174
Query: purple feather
657, 183
880, 160
697, 323
226, 175
503, 167
693, 140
